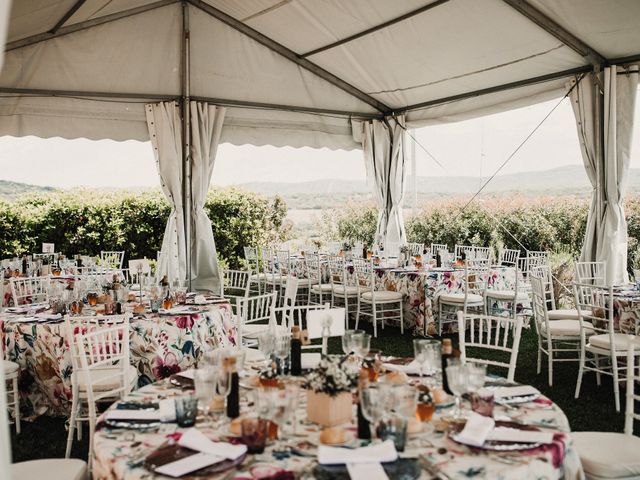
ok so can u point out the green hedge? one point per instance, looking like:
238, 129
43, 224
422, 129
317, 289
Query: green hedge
85, 222
554, 223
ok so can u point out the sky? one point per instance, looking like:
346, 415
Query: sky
474, 147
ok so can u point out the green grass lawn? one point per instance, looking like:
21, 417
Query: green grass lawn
594, 410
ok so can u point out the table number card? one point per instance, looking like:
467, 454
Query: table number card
48, 247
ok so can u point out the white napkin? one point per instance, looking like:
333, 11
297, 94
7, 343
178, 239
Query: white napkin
166, 412
370, 471
48, 316
310, 360
188, 464
200, 300
410, 369
476, 430
518, 391
196, 440
505, 434
376, 453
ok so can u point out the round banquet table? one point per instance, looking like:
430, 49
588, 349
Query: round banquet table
120, 453
160, 346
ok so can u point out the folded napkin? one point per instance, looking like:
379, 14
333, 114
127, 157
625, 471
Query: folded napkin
476, 430
506, 434
376, 453
165, 413
310, 360
188, 464
200, 300
370, 471
518, 391
196, 440
410, 368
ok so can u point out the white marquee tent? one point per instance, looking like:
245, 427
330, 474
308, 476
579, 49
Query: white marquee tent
320, 73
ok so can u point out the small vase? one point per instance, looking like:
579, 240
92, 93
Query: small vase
329, 411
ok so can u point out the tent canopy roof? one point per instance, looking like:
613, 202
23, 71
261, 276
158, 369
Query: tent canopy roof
295, 70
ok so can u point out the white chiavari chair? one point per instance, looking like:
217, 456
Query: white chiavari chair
253, 316
482, 253
473, 284
601, 346
508, 257
591, 272
11, 371
112, 259
320, 291
345, 290
495, 299
536, 259
235, 284
50, 468
554, 313
466, 251
612, 455
415, 248
485, 333
31, 290
252, 260
558, 339
102, 369
375, 301
437, 247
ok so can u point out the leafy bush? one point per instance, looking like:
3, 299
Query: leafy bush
86, 221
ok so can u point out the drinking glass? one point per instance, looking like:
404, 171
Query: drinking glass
254, 433
420, 354
373, 401
476, 374
186, 410
394, 427
360, 345
267, 345
282, 350
204, 380
346, 340
404, 399
457, 378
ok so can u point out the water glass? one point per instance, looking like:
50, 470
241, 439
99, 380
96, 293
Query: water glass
154, 304
457, 378
255, 432
394, 428
186, 410
346, 340
204, 380
476, 375
361, 344
373, 401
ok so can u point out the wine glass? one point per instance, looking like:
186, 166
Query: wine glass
373, 401
223, 386
267, 345
282, 350
204, 380
420, 354
476, 374
360, 345
346, 340
457, 378
404, 400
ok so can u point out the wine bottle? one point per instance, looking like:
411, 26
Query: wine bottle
364, 429
447, 353
296, 352
233, 400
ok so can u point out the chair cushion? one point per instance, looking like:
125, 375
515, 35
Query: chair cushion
9, 367
506, 295
109, 383
266, 276
254, 330
459, 298
382, 296
608, 454
51, 469
347, 290
325, 287
565, 327
566, 314
619, 339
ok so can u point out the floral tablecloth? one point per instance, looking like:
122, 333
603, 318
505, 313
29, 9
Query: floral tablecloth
160, 346
626, 314
119, 454
422, 288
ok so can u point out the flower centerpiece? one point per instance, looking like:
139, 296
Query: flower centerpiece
329, 390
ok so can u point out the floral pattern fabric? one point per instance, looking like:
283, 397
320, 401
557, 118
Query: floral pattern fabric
119, 454
160, 346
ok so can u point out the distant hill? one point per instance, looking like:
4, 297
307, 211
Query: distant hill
11, 190
567, 180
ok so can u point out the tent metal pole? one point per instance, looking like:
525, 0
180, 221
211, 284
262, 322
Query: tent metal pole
76, 27
186, 140
69, 13
498, 88
290, 55
371, 30
550, 26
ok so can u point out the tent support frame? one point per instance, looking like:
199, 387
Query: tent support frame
68, 14
186, 140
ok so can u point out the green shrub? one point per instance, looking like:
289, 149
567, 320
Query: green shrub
86, 221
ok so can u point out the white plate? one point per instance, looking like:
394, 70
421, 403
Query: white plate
499, 447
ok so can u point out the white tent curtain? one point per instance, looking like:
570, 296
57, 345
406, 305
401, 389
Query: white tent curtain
206, 126
383, 145
165, 130
606, 161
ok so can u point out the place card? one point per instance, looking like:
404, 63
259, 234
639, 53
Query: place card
188, 464
370, 471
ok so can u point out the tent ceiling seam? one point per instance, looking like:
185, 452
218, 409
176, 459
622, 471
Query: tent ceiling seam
290, 55
76, 27
375, 28
553, 28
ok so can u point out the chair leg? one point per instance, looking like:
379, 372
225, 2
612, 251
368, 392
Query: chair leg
16, 403
580, 373
539, 355
598, 374
616, 383
346, 311
357, 313
375, 319
401, 317
550, 360
72, 423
